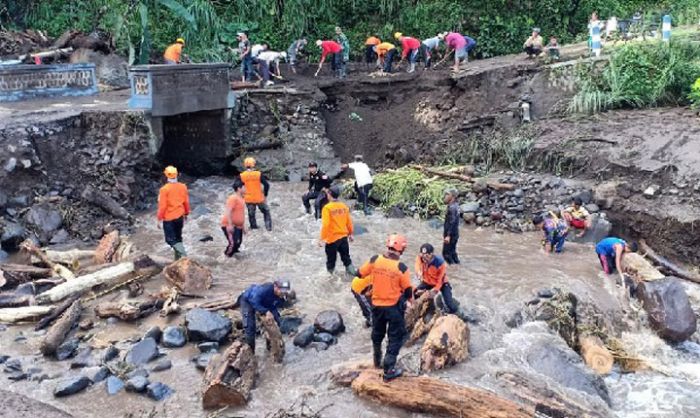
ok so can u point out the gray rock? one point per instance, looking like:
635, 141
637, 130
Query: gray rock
289, 324
592, 208
600, 228
109, 354
17, 376
668, 307
395, 212
173, 337
518, 192
164, 364
13, 365
203, 325
305, 337
59, 237
326, 338
319, 346
82, 359
158, 391
329, 321
208, 346
12, 235
101, 374
469, 207
154, 332
67, 349
114, 385
202, 360
586, 197
44, 218
20, 201
4, 358
136, 384
515, 320
545, 293
435, 223
71, 385
140, 372
142, 352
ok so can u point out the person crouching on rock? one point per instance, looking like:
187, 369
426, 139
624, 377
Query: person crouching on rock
336, 232
577, 217
319, 183
610, 252
256, 189
264, 299
361, 288
391, 293
233, 220
173, 208
432, 271
555, 231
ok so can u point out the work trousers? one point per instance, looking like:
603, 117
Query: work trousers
342, 247
363, 196
370, 55
338, 64
426, 54
389, 60
247, 67
248, 315
266, 215
173, 230
449, 251
389, 321
320, 199
446, 291
235, 239
530, 50
365, 306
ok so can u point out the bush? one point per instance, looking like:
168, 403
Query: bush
694, 95
411, 191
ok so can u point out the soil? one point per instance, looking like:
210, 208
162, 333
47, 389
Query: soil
14, 405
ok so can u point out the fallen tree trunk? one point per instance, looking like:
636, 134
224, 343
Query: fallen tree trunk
447, 344
455, 176
69, 257
104, 202
434, 396
229, 377
273, 337
227, 302
640, 269
15, 274
83, 283
57, 269
11, 300
127, 311
418, 310
590, 326
58, 331
48, 319
420, 329
24, 313
667, 264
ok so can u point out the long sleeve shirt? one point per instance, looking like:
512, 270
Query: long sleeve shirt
433, 273
318, 181
173, 201
263, 299
336, 222
451, 227
329, 47
408, 44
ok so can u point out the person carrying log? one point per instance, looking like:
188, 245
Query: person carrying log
361, 288
173, 209
264, 299
336, 232
450, 234
431, 269
233, 219
555, 231
256, 189
391, 293
319, 182
173, 53
611, 251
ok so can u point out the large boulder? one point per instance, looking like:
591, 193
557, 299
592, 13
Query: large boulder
12, 235
668, 307
304, 337
188, 276
44, 219
142, 352
203, 325
329, 321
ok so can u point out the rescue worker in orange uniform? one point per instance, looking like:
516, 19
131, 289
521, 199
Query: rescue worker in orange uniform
233, 219
432, 270
256, 189
173, 208
336, 231
370, 53
391, 292
173, 53
361, 288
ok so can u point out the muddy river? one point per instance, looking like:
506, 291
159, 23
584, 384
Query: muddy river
498, 274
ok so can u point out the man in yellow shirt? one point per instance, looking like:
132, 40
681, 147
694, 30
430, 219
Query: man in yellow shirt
173, 53
577, 217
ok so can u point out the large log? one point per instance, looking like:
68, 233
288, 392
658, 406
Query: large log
666, 264
58, 331
127, 311
48, 319
104, 202
24, 313
437, 397
229, 377
639, 268
107, 248
12, 275
58, 269
69, 257
447, 344
455, 176
82, 283
590, 326
418, 310
190, 277
273, 338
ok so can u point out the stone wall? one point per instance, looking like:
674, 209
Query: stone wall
20, 82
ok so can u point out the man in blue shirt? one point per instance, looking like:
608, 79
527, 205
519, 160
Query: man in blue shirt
261, 298
610, 253
555, 231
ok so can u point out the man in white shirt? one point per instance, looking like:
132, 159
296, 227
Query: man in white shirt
363, 181
272, 57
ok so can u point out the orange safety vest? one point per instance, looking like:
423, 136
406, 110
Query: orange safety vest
335, 222
253, 186
390, 278
173, 202
173, 52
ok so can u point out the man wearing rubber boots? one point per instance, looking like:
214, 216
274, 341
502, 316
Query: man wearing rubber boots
256, 189
391, 291
173, 208
264, 299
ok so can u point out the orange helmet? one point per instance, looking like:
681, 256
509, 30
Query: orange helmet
397, 242
249, 162
170, 172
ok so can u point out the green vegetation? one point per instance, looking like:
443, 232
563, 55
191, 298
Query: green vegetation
694, 95
143, 28
639, 75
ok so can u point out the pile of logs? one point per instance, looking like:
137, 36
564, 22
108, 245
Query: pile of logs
229, 377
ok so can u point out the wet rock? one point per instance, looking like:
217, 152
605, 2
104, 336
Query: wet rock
329, 321
515, 320
101, 374
12, 235
140, 372
71, 385
173, 337
651, 191
158, 391
395, 212
136, 384
17, 376
3, 256
592, 208
319, 346
60, 237
164, 364
82, 359
109, 354
203, 325
67, 349
289, 324
545, 293
325, 337
12, 365
154, 332
586, 196
44, 218
480, 220
518, 192
208, 346
305, 337
469, 207
201, 361
4, 358
114, 385
469, 217
668, 307
142, 352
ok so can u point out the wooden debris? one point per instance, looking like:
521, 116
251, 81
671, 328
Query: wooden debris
227, 302
229, 377
80, 284
639, 268
436, 397
595, 354
591, 329
12, 275
447, 344
69, 257
107, 248
57, 269
170, 306
343, 374
122, 310
627, 362
48, 319
666, 264
418, 310
190, 277
60, 329
421, 328
12, 300
273, 337
456, 176
104, 202
24, 313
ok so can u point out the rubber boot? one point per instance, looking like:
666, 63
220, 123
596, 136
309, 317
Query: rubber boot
351, 271
392, 373
412, 68
179, 250
378, 357
268, 223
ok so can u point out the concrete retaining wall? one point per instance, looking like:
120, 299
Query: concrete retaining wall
22, 82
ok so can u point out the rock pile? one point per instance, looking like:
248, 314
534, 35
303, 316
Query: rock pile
327, 326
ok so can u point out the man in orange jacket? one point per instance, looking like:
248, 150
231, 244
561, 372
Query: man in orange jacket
432, 270
391, 291
173, 53
233, 219
256, 189
336, 231
173, 208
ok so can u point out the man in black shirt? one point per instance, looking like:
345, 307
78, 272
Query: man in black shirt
451, 229
319, 182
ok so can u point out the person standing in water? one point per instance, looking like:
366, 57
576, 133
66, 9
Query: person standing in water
610, 252
256, 189
336, 231
233, 220
451, 227
173, 209
363, 181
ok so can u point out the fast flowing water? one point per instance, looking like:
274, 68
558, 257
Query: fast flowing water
498, 274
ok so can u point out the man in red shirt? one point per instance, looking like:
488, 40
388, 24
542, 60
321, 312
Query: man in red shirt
409, 48
233, 220
337, 63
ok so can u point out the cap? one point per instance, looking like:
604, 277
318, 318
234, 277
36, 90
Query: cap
180, 41
426, 249
283, 285
334, 191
